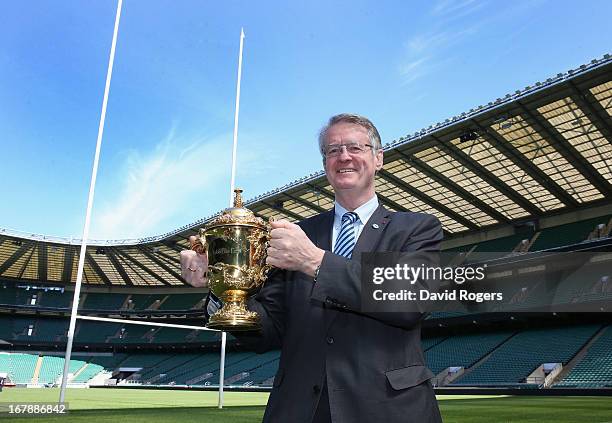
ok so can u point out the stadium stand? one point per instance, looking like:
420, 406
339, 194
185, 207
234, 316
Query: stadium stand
463, 350
240, 372
87, 372
580, 288
431, 342
52, 368
55, 299
23, 328
522, 174
569, 234
595, 369
50, 330
21, 367
172, 335
95, 332
516, 358
200, 366
134, 334
181, 301
166, 367
109, 362
106, 301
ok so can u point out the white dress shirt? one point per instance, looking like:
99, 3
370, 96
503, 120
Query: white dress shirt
365, 211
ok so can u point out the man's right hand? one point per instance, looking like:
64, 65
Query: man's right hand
194, 263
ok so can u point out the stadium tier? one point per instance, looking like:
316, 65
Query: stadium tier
514, 360
106, 301
595, 369
498, 358
111, 361
523, 174
86, 373
462, 351
38, 330
172, 365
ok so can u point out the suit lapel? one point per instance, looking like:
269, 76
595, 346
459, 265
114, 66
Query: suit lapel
372, 232
323, 234
368, 241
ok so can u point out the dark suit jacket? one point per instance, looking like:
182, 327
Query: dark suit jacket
372, 363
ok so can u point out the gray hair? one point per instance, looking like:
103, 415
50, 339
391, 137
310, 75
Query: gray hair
362, 121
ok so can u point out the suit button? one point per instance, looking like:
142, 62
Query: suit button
330, 340
316, 389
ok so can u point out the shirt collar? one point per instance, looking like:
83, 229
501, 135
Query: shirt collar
365, 211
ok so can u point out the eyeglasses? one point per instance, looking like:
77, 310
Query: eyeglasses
353, 149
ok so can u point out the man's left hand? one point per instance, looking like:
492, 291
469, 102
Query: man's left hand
291, 249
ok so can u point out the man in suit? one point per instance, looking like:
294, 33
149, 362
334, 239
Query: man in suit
339, 363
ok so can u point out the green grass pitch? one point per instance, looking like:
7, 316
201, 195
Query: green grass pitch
152, 406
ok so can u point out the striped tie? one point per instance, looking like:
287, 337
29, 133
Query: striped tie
346, 238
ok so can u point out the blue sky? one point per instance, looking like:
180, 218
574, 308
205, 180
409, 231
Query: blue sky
166, 152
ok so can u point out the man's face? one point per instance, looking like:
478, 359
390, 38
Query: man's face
351, 174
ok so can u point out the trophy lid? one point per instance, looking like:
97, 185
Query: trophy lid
238, 214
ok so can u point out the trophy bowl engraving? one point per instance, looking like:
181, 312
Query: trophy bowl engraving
237, 243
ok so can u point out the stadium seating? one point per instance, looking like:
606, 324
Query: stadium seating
494, 248
21, 368
95, 332
430, 342
89, 371
181, 301
20, 326
8, 293
53, 366
463, 350
195, 367
102, 301
595, 369
56, 299
520, 355
141, 302
50, 330
568, 234
490, 358
109, 362
544, 239
176, 335
251, 363
134, 334
592, 283
4, 361
166, 367
144, 360
264, 373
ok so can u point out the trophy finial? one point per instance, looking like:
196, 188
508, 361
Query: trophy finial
238, 198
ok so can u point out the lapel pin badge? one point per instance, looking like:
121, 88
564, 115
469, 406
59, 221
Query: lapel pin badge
375, 225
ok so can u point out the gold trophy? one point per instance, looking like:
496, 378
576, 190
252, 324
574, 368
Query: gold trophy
237, 243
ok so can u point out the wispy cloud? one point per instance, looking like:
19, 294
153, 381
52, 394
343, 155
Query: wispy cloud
456, 8
426, 52
413, 70
180, 180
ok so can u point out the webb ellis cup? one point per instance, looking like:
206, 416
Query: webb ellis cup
237, 243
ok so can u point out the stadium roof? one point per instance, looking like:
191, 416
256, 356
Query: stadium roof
540, 151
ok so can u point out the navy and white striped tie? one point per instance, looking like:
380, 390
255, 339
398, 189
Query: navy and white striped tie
346, 238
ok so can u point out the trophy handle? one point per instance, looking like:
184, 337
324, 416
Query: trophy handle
267, 267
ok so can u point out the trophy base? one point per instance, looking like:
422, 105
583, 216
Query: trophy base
234, 316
